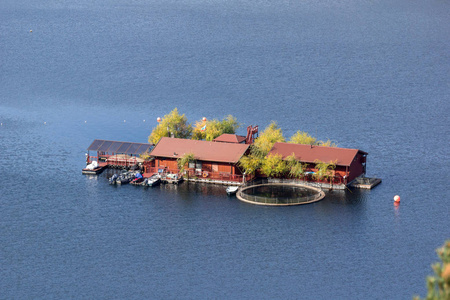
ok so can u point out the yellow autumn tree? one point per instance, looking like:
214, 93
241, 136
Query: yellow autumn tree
261, 147
295, 167
210, 129
171, 125
273, 165
303, 138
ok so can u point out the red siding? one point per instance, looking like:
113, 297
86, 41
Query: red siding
356, 167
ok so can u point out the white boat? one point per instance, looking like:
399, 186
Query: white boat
153, 180
231, 190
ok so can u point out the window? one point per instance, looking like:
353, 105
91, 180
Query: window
195, 165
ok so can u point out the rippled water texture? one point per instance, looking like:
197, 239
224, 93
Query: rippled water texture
372, 75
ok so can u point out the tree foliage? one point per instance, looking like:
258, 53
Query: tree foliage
303, 138
296, 168
271, 135
324, 169
185, 160
439, 285
209, 130
260, 148
250, 163
173, 124
274, 165
328, 143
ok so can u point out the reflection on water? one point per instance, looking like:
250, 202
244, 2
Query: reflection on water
281, 192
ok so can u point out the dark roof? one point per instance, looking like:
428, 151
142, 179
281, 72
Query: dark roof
202, 150
309, 154
230, 138
119, 147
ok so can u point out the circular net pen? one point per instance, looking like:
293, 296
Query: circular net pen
280, 194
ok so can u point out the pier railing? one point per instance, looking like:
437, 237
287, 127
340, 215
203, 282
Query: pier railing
114, 160
192, 173
279, 201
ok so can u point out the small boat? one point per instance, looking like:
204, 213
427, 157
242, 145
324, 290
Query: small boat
153, 180
138, 179
125, 178
112, 179
172, 178
231, 190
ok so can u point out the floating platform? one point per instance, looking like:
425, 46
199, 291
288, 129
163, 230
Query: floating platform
95, 171
214, 181
171, 180
365, 182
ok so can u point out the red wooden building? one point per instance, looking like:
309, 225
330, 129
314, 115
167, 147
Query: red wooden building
350, 163
213, 160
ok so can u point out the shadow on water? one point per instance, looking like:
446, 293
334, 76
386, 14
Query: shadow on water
354, 197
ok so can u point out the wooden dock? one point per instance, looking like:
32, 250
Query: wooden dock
365, 182
95, 171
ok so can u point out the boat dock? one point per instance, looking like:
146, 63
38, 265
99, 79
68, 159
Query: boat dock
95, 171
365, 182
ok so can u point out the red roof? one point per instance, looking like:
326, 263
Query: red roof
202, 150
230, 138
309, 154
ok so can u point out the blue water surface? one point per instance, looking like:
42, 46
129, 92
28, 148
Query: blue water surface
371, 75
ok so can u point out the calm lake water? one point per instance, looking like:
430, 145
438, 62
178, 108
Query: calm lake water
372, 75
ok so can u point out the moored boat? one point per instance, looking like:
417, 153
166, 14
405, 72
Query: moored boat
231, 190
125, 178
153, 180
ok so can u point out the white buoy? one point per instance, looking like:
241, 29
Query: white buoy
397, 199
45, 123
124, 121
143, 120
85, 121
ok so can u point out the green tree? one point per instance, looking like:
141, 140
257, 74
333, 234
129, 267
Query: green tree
260, 148
172, 124
198, 133
271, 135
274, 165
250, 163
209, 130
324, 170
230, 124
184, 160
295, 167
303, 138
439, 285
213, 130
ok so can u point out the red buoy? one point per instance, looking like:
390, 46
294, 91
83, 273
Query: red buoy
397, 199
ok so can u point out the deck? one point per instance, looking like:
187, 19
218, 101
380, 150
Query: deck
365, 182
95, 171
